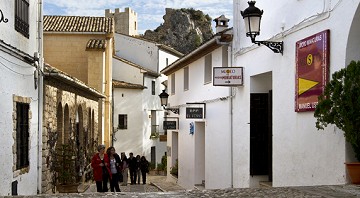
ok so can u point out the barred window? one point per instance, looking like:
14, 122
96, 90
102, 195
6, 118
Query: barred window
186, 78
153, 87
22, 135
122, 121
173, 84
22, 17
208, 68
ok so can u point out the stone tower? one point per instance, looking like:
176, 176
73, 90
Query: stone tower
125, 22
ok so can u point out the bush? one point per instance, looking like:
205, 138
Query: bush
174, 169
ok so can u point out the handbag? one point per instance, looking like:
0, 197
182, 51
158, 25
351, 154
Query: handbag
105, 172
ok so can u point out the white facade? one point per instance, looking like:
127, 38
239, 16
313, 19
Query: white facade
301, 155
137, 65
297, 153
205, 155
17, 66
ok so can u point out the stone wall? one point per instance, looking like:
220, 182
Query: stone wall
58, 97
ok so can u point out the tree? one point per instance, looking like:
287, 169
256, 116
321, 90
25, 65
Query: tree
340, 105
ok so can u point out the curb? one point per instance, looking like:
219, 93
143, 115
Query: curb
157, 186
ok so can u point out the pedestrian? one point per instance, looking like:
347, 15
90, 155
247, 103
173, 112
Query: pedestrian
125, 168
132, 168
144, 167
101, 169
114, 168
138, 171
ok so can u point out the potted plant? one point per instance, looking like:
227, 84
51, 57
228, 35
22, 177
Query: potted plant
175, 168
64, 164
340, 105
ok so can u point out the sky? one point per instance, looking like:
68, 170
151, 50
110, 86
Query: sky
150, 12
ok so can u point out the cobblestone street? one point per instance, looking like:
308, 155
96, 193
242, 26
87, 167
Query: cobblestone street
158, 187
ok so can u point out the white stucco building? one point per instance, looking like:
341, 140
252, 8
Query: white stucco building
20, 92
261, 133
136, 86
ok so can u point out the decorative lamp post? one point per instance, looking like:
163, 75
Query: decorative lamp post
164, 100
252, 18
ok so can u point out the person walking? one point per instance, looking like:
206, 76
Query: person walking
144, 167
138, 171
125, 168
132, 168
114, 168
101, 169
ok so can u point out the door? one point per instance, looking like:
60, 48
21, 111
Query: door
260, 134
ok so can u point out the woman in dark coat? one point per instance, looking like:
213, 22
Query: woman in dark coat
115, 168
144, 167
101, 169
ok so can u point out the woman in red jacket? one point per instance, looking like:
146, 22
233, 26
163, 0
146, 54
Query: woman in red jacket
101, 169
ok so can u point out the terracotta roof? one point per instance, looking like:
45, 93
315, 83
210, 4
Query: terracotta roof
96, 44
78, 24
122, 84
147, 71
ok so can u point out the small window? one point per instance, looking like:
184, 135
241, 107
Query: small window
153, 87
225, 56
22, 17
167, 62
186, 78
122, 121
135, 25
22, 135
208, 68
172, 84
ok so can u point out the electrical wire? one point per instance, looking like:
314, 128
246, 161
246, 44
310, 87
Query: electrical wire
16, 63
15, 71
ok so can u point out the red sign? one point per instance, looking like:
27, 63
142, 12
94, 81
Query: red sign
312, 67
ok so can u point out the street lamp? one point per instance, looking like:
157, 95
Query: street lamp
164, 100
252, 18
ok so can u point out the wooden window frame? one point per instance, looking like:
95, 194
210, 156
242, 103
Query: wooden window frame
22, 135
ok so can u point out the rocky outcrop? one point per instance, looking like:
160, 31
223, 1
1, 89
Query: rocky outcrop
183, 29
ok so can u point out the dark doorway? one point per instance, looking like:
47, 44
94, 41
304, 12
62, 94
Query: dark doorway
261, 134
153, 155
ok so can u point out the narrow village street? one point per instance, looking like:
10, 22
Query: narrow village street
160, 188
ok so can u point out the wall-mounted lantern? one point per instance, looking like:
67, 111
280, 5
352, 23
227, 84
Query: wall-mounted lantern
164, 100
252, 17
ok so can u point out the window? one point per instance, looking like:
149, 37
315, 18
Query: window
22, 135
122, 121
225, 56
173, 84
167, 62
208, 67
186, 78
22, 17
135, 25
153, 87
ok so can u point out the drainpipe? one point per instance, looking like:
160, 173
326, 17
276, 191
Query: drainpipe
217, 38
40, 95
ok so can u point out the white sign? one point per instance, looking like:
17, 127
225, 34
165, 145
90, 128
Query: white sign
228, 76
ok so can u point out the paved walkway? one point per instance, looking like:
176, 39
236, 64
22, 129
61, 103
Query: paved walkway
160, 188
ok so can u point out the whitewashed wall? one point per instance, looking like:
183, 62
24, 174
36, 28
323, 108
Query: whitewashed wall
217, 127
17, 79
138, 51
302, 155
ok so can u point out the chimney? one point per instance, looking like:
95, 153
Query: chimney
221, 23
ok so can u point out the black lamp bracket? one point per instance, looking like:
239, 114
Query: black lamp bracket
276, 47
174, 110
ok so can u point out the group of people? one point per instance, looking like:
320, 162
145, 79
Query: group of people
109, 166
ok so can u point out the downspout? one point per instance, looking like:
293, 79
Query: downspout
40, 95
231, 114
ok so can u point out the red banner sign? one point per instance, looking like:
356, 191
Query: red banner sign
312, 67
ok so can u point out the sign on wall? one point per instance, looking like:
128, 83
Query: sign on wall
169, 125
194, 113
228, 76
312, 67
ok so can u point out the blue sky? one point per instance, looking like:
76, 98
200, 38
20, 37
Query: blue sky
150, 12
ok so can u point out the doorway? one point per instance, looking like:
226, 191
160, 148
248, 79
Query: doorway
200, 153
261, 134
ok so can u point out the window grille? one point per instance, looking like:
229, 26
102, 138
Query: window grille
208, 68
22, 17
186, 78
122, 121
22, 135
